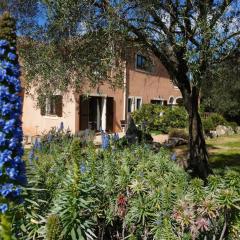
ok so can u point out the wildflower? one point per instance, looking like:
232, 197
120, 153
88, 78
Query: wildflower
83, 168
174, 157
49, 138
31, 155
12, 168
37, 144
61, 128
3, 208
105, 141
202, 224
116, 137
2, 52
3, 43
12, 56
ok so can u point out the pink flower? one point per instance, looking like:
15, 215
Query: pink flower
202, 224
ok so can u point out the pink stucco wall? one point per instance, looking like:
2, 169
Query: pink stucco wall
150, 85
35, 124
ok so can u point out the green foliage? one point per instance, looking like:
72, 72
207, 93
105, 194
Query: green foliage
212, 121
5, 227
89, 193
148, 115
218, 119
178, 133
208, 125
175, 117
53, 228
205, 209
221, 90
156, 117
75, 204
8, 28
233, 125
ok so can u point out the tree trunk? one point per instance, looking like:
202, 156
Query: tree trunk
198, 158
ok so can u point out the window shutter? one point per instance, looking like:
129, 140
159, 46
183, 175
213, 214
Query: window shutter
43, 107
59, 105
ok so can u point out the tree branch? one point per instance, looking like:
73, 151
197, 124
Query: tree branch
218, 15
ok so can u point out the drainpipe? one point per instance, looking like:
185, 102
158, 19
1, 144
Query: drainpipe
125, 94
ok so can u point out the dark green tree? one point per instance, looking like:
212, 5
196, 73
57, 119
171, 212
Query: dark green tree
221, 91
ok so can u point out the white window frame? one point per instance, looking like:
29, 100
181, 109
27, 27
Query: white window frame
158, 99
174, 100
141, 100
134, 103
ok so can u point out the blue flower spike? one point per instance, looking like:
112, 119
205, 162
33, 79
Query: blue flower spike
12, 167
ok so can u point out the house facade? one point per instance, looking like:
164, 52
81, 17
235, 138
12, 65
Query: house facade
103, 108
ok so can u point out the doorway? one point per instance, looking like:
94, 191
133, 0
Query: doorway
96, 113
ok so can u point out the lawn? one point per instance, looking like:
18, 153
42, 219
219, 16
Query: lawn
224, 152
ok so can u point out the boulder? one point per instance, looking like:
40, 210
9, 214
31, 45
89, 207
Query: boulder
212, 134
221, 130
230, 131
224, 130
237, 130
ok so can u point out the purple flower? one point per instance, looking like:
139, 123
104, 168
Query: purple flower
12, 173
174, 157
12, 168
12, 56
105, 141
83, 168
2, 139
3, 208
61, 126
3, 43
31, 155
2, 51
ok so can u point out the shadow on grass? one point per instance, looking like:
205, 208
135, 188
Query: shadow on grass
225, 160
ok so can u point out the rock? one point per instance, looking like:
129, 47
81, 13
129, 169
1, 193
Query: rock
224, 130
212, 134
221, 130
174, 142
230, 131
237, 130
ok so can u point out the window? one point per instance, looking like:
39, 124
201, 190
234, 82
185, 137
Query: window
144, 63
130, 104
171, 101
52, 106
157, 101
134, 103
138, 103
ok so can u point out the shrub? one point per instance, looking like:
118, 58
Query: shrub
148, 116
178, 133
174, 117
161, 118
217, 119
233, 125
208, 125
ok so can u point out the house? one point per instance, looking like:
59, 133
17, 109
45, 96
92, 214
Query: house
145, 81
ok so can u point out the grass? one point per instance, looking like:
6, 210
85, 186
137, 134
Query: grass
224, 153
